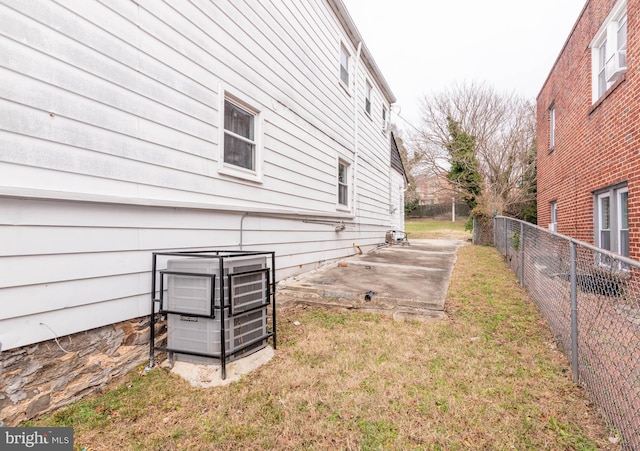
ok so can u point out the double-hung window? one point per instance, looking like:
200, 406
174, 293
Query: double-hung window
553, 225
623, 221
612, 220
240, 154
344, 66
609, 50
343, 184
385, 118
239, 136
604, 221
367, 98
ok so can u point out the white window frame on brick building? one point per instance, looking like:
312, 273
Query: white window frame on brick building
609, 51
553, 225
612, 219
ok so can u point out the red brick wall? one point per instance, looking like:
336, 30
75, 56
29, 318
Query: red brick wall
434, 189
596, 145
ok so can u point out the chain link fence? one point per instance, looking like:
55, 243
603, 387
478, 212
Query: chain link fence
591, 299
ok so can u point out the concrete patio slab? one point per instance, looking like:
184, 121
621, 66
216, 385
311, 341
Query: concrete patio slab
405, 281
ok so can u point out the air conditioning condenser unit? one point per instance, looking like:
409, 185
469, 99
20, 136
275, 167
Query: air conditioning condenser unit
216, 306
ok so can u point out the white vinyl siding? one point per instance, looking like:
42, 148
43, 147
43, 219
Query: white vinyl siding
113, 138
76, 266
396, 201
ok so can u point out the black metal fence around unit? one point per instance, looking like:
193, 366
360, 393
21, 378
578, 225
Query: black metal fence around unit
215, 302
591, 299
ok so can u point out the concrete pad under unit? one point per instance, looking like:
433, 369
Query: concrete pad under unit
405, 281
204, 376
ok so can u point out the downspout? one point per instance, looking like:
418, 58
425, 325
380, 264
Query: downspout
355, 133
242, 228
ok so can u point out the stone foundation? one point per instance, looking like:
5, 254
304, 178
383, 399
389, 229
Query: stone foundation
42, 377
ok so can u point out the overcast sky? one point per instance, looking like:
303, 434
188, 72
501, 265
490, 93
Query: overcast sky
424, 46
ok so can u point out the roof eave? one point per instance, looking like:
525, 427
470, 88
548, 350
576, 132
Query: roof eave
354, 35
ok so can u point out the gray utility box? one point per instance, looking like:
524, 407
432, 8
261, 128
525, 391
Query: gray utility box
245, 307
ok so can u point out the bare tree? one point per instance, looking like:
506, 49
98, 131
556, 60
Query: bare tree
503, 131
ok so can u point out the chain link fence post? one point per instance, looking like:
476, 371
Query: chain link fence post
495, 229
474, 232
506, 238
521, 254
574, 313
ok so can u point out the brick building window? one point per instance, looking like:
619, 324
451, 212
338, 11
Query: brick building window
553, 225
623, 222
612, 220
552, 126
609, 50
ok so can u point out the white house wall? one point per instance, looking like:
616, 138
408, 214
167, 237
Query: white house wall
397, 188
109, 147
69, 266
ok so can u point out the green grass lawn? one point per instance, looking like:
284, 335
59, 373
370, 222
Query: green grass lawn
488, 377
436, 228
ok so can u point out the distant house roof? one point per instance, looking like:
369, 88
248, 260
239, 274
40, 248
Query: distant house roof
396, 159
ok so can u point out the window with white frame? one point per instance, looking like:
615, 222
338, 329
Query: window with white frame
612, 220
240, 146
344, 65
367, 98
552, 126
239, 136
609, 50
553, 226
385, 118
343, 183
604, 221
623, 222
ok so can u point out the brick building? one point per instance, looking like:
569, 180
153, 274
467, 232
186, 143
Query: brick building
589, 130
433, 189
